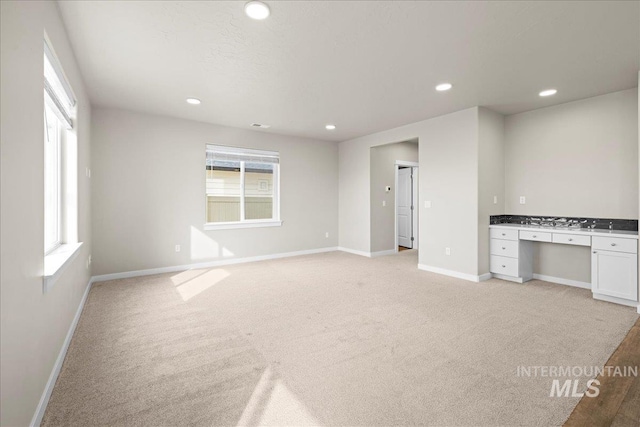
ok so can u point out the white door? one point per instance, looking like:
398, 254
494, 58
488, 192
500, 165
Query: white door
405, 204
615, 274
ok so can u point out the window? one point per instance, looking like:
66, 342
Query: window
58, 107
242, 187
60, 170
52, 181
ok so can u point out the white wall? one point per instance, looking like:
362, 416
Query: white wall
33, 324
383, 161
149, 186
490, 178
574, 159
448, 177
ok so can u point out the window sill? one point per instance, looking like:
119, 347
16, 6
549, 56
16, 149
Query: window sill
244, 224
56, 262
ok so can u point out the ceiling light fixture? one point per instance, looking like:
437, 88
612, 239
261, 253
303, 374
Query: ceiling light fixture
330, 127
444, 86
193, 101
548, 92
256, 10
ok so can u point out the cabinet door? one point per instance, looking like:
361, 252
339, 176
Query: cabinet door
614, 274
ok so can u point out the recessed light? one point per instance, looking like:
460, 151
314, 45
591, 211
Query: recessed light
548, 92
256, 10
444, 86
193, 101
330, 127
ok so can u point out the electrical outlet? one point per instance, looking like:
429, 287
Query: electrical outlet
427, 203
447, 251
88, 172
326, 234
523, 200
384, 203
495, 200
177, 248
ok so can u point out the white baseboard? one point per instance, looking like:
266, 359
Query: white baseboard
616, 300
355, 252
210, 264
44, 400
485, 276
451, 273
382, 253
508, 278
561, 281
368, 254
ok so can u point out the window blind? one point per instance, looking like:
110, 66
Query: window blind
233, 154
58, 93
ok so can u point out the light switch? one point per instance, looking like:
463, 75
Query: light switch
384, 203
495, 200
522, 200
427, 203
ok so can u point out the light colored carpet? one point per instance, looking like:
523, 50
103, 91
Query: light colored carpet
331, 339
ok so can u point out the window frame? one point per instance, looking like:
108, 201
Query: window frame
60, 102
275, 221
58, 181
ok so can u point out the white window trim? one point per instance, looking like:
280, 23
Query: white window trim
57, 261
59, 202
242, 224
60, 256
251, 223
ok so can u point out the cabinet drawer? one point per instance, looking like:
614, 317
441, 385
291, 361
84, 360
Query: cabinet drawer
615, 244
503, 233
508, 248
572, 239
503, 265
537, 236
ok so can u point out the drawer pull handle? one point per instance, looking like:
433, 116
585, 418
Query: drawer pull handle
534, 236
595, 252
571, 240
503, 248
613, 244
504, 266
503, 234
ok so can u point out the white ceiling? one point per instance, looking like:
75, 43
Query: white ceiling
364, 65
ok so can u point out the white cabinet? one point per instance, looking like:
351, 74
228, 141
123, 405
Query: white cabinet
510, 258
614, 274
614, 257
614, 268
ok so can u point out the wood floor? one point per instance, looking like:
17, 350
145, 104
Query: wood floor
618, 403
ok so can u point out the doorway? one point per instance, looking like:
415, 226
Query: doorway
406, 212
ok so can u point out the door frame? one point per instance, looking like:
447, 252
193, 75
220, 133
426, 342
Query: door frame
414, 215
